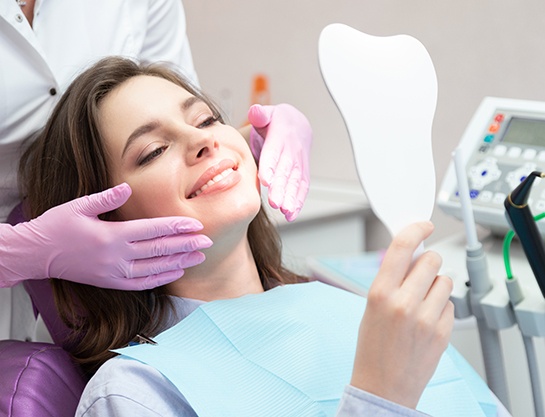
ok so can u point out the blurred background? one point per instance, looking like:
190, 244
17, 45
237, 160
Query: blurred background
479, 48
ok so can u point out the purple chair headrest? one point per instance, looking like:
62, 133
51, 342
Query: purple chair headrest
39, 380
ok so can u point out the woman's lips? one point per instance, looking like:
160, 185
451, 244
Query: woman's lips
212, 175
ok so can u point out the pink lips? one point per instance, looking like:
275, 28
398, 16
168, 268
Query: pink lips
210, 173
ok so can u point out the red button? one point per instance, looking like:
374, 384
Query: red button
499, 118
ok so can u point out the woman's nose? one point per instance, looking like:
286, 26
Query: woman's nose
202, 145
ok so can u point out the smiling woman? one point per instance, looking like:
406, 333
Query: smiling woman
146, 126
176, 150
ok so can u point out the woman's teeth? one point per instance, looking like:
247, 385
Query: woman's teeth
217, 178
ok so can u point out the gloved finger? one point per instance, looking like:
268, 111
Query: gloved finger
144, 283
270, 157
103, 202
147, 283
277, 188
155, 266
158, 280
291, 190
145, 229
299, 201
295, 198
168, 245
260, 116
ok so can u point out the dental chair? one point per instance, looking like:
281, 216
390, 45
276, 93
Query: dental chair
39, 379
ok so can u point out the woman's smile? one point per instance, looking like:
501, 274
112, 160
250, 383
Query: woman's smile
218, 177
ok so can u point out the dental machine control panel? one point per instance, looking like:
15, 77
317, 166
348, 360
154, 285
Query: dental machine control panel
503, 143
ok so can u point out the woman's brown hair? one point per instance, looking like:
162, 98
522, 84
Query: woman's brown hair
67, 161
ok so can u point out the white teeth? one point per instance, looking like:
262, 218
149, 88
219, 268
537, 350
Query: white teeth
217, 178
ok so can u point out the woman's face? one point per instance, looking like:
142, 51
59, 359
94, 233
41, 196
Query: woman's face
177, 158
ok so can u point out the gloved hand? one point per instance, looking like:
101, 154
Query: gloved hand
280, 138
70, 242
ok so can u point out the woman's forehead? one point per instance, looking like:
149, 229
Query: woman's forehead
148, 86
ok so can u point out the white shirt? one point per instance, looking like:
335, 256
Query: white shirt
38, 63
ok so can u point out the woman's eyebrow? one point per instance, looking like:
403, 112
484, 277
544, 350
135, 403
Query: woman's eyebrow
190, 102
139, 131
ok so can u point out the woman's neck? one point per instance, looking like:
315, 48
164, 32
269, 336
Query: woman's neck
225, 274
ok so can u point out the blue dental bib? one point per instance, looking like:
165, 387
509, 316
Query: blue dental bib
288, 352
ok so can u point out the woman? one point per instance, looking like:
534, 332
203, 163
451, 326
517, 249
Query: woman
120, 122
37, 66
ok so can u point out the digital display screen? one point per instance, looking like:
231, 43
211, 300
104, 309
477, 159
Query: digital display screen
525, 132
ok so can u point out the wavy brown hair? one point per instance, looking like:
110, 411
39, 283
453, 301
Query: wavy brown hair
67, 161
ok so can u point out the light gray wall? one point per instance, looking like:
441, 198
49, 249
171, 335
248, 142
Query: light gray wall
479, 48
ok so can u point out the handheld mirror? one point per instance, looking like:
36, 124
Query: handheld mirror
386, 91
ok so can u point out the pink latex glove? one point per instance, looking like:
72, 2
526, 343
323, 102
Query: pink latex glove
70, 242
280, 138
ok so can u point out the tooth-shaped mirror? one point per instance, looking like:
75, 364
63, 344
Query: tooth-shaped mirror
386, 91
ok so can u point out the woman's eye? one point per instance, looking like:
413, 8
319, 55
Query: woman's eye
152, 155
208, 122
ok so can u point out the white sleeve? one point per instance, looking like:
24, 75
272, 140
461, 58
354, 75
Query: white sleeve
166, 37
356, 403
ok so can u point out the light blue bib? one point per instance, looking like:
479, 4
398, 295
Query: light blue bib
288, 352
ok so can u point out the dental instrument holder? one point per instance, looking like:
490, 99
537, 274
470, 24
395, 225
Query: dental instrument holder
480, 286
522, 221
502, 306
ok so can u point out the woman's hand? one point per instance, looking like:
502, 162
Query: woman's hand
70, 242
407, 323
280, 138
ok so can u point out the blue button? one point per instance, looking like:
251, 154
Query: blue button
472, 193
489, 138
484, 173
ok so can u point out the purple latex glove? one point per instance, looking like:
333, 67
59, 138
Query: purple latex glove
280, 138
70, 242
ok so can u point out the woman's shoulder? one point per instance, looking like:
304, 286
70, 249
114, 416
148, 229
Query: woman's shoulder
124, 386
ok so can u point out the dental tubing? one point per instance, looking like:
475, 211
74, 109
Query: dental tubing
479, 286
525, 316
517, 300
